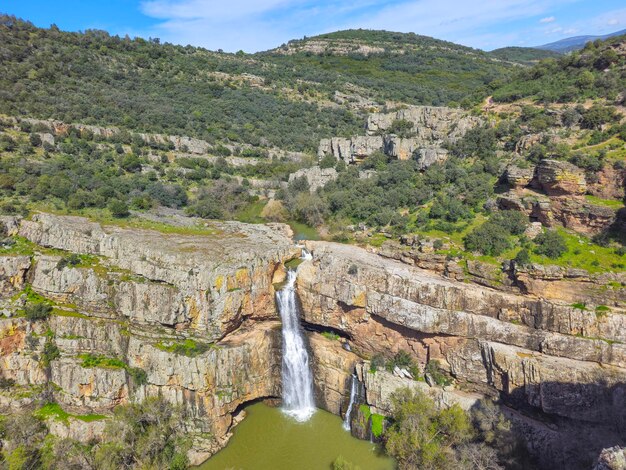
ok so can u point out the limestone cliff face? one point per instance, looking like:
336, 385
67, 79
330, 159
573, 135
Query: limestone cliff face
208, 283
191, 317
431, 128
538, 354
136, 296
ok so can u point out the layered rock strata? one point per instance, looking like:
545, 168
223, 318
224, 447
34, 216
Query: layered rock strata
547, 359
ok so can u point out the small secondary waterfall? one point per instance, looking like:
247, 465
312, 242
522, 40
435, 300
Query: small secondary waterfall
298, 398
346, 420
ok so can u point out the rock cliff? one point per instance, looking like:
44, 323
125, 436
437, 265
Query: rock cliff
191, 316
187, 316
431, 128
547, 360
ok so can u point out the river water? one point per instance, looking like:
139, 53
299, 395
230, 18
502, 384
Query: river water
269, 439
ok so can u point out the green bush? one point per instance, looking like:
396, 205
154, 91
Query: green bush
438, 375
551, 244
50, 352
70, 260
118, 209
377, 362
36, 311
95, 360
522, 258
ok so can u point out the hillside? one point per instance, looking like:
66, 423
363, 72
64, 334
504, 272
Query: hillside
523, 55
595, 72
289, 101
576, 42
440, 232
402, 67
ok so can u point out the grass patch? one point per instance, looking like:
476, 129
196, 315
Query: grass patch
54, 411
365, 411
330, 335
377, 424
251, 213
94, 360
188, 347
584, 254
612, 203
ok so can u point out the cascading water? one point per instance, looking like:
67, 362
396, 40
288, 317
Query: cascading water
346, 420
298, 398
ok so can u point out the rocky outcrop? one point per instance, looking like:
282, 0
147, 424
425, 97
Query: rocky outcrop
539, 355
613, 458
316, 177
557, 178
221, 277
190, 317
430, 123
432, 127
572, 212
517, 177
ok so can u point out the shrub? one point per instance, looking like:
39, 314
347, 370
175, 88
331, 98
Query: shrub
488, 239
551, 244
138, 375
71, 260
118, 209
328, 161
35, 311
50, 352
342, 464
376, 362
434, 370
422, 436
522, 258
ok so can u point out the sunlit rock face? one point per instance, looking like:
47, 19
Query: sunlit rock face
538, 355
132, 297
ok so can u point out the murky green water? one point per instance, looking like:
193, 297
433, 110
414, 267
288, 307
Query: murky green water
269, 440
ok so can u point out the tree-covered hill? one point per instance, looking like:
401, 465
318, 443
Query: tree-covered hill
523, 55
597, 71
403, 67
286, 100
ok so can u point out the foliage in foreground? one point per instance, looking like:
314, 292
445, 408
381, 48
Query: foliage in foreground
138, 436
427, 438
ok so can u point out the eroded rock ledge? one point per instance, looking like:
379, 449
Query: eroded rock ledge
558, 367
135, 295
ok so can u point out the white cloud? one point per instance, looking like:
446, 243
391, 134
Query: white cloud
254, 25
612, 22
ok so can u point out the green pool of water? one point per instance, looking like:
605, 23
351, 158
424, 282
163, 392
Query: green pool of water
269, 440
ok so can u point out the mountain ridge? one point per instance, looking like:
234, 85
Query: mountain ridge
576, 42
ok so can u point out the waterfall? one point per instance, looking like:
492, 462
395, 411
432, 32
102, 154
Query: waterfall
346, 420
298, 399
306, 255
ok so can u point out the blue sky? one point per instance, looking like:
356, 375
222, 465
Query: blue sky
254, 25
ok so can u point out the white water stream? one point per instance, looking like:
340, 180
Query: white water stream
298, 397
346, 420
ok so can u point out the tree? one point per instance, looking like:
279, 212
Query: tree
119, 209
144, 435
422, 436
551, 244
35, 311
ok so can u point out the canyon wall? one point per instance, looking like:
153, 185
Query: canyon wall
189, 316
558, 368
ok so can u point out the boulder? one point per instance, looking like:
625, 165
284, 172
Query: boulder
517, 177
557, 178
316, 177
